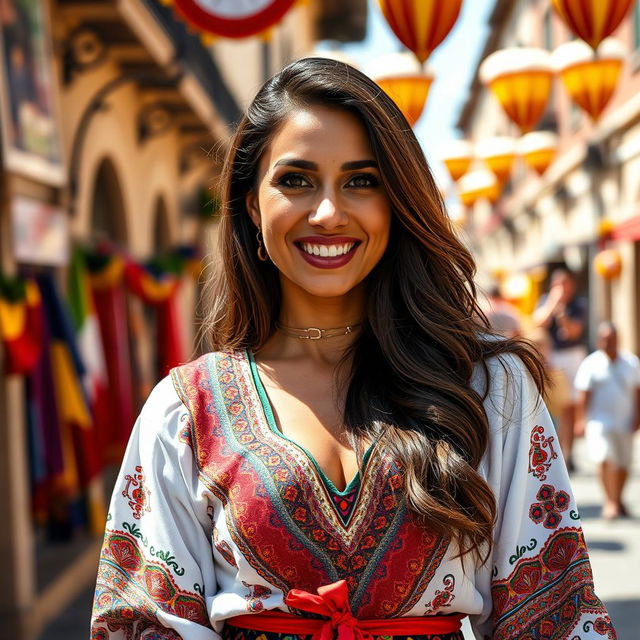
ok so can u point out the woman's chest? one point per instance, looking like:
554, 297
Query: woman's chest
285, 519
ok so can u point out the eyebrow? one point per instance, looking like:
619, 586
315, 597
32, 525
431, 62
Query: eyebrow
312, 166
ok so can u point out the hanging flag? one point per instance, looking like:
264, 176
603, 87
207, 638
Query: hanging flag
20, 324
156, 284
89, 341
106, 279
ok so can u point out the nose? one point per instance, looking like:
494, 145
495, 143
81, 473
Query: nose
328, 213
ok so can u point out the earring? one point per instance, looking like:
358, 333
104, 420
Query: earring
262, 253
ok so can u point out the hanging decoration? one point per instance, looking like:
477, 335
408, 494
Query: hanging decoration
230, 18
608, 264
106, 276
498, 153
421, 25
20, 324
589, 77
457, 156
520, 79
538, 149
477, 185
592, 20
407, 84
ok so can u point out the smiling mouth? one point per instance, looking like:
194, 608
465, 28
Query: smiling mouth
327, 250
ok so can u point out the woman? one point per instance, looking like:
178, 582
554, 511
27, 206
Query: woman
357, 455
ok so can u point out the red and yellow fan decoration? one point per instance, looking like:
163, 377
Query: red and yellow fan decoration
421, 25
538, 149
589, 77
477, 185
592, 20
521, 79
230, 18
407, 84
498, 154
20, 324
457, 156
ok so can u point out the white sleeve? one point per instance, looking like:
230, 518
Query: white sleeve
156, 575
582, 381
537, 582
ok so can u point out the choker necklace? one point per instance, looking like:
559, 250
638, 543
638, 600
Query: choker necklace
315, 333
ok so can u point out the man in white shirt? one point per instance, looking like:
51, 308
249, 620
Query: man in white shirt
609, 384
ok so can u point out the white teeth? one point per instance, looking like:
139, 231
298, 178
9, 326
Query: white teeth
327, 251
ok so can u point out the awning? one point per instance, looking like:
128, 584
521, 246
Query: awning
628, 230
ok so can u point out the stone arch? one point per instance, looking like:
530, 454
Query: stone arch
107, 208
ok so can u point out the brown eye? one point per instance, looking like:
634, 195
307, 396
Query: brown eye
363, 181
293, 181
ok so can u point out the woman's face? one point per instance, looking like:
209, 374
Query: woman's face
320, 203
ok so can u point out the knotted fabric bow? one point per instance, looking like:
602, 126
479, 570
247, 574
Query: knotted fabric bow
332, 601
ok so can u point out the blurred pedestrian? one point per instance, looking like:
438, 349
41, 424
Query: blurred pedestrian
609, 384
558, 392
503, 317
564, 315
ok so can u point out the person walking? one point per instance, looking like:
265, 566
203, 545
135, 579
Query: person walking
358, 456
563, 313
608, 381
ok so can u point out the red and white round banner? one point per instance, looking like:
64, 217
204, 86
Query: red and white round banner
233, 18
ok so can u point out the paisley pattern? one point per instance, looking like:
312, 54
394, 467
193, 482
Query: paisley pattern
545, 595
130, 587
280, 511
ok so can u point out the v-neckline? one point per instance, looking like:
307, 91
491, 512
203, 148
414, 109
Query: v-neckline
267, 409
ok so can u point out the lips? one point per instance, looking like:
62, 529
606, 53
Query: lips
327, 252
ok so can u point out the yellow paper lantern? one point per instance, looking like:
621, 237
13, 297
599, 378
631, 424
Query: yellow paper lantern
498, 153
608, 264
592, 20
401, 77
457, 156
421, 25
477, 185
538, 149
520, 78
589, 77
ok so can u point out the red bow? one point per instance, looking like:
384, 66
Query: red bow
332, 601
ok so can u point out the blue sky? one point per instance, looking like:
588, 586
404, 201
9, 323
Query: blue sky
453, 63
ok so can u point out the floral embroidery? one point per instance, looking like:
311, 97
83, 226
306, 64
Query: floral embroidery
130, 588
545, 596
548, 509
280, 515
223, 548
257, 593
137, 493
602, 626
539, 459
184, 435
443, 597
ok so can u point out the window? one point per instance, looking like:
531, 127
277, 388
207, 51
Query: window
548, 30
636, 25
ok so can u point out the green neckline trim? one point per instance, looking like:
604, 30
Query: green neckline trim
268, 412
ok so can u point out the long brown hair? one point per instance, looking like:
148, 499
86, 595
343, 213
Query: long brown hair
423, 332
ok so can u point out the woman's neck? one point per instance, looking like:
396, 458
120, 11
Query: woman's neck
301, 310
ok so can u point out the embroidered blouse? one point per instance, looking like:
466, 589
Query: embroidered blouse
217, 514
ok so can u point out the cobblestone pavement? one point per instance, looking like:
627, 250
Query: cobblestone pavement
614, 548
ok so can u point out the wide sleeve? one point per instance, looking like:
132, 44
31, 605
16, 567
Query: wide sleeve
156, 575
537, 582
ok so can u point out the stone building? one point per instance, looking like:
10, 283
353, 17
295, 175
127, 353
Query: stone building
557, 218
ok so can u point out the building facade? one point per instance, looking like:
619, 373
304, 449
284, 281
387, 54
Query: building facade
118, 141
557, 219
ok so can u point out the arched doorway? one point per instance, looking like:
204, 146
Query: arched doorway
108, 220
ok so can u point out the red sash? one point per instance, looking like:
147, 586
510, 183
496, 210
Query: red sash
332, 601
